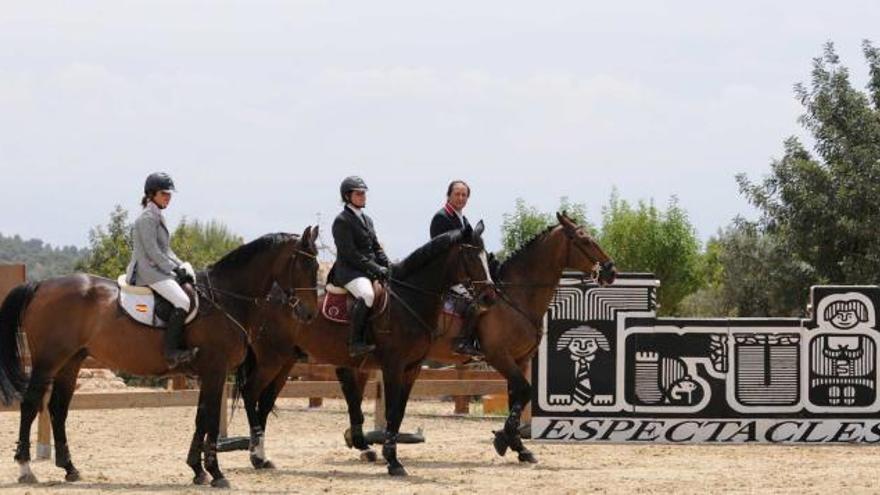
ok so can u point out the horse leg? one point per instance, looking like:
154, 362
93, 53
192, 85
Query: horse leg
267, 400
519, 392
59, 404
194, 457
269, 390
251, 394
398, 384
210, 398
31, 403
353, 383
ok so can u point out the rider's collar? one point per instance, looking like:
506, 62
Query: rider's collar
450, 210
153, 207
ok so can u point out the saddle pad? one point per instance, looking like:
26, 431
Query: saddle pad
337, 303
140, 303
334, 307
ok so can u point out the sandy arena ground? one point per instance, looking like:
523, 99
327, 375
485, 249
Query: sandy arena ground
143, 450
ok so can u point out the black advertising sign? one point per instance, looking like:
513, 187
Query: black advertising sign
609, 370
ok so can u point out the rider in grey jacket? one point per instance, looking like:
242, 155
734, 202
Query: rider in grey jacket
154, 264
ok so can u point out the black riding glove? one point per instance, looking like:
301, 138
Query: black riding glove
183, 277
382, 273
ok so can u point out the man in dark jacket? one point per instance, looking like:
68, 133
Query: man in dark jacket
359, 259
451, 217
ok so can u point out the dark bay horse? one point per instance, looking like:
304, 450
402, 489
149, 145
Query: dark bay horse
68, 318
401, 334
511, 330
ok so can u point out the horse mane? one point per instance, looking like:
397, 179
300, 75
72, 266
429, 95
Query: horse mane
505, 265
423, 255
242, 255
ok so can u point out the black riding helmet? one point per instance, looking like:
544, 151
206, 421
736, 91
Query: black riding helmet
349, 184
158, 181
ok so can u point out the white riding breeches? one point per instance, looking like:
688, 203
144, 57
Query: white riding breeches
362, 288
171, 290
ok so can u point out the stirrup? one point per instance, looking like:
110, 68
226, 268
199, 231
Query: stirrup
358, 348
466, 349
180, 356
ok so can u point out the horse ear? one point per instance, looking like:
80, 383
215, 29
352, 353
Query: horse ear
315, 233
307, 235
478, 230
564, 219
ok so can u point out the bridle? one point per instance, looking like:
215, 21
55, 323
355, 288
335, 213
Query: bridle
291, 299
477, 286
486, 282
574, 234
290, 294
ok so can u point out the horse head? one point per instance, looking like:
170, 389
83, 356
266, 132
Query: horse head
584, 253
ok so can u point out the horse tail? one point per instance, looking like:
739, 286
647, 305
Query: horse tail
242, 373
13, 379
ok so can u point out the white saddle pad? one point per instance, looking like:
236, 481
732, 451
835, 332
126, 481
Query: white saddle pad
140, 302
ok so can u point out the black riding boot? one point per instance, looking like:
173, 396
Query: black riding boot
175, 354
357, 344
464, 343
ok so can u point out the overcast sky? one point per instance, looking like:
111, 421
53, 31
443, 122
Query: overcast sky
259, 109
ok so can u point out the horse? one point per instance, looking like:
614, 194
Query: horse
510, 331
400, 332
69, 318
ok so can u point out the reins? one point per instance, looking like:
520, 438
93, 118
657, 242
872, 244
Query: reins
207, 291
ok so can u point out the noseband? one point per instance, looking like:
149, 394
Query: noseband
598, 266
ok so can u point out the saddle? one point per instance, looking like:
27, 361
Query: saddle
146, 307
337, 302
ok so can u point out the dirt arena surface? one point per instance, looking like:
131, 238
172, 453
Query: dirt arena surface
143, 451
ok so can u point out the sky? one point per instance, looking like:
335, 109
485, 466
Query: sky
259, 109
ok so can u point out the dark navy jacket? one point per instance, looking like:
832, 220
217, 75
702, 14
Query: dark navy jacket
358, 253
446, 220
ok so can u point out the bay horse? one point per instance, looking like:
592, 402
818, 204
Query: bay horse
66, 319
400, 332
510, 331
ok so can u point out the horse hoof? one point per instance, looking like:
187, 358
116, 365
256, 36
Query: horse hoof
200, 479
397, 471
500, 443
27, 479
220, 483
369, 455
527, 457
258, 463
72, 475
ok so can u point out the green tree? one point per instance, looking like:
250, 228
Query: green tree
527, 221
42, 260
200, 243
709, 300
518, 227
823, 207
759, 276
110, 248
645, 238
203, 243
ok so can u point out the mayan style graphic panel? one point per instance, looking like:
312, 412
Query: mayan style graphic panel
608, 369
